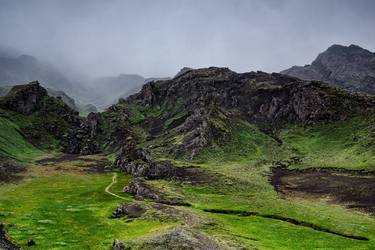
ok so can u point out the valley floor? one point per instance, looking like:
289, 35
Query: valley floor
66, 203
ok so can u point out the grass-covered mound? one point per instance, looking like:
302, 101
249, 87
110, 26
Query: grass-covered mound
13, 143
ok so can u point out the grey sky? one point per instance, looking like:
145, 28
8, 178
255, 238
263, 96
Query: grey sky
157, 38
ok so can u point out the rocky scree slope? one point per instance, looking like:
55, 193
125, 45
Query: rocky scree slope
198, 107
349, 67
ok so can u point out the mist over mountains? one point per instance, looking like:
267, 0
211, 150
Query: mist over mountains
101, 91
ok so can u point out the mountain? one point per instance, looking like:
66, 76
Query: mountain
350, 67
27, 68
205, 153
203, 107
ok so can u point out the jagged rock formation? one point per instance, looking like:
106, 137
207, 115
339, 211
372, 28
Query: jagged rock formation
82, 139
82, 108
51, 120
139, 163
24, 99
349, 67
196, 107
141, 191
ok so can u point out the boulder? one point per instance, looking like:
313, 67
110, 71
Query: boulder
31, 243
131, 210
180, 238
141, 191
119, 245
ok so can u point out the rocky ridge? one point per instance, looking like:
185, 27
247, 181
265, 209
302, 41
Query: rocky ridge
350, 67
197, 106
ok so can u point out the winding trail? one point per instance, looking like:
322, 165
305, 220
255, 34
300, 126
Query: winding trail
107, 189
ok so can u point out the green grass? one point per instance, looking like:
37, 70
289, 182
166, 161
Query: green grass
346, 144
68, 210
245, 187
12, 143
245, 143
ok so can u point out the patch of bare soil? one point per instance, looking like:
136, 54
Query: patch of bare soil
96, 163
354, 189
59, 159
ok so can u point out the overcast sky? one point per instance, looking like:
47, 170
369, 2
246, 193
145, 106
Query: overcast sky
157, 37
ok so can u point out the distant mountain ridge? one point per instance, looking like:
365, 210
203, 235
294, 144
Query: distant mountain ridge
26, 68
350, 67
21, 68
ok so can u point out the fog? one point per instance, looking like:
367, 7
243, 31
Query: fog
157, 38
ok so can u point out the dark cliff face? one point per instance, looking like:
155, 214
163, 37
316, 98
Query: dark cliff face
349, 67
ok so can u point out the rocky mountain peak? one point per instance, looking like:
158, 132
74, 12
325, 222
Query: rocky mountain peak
350, 67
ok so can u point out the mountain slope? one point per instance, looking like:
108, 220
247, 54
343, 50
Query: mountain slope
349, 67
198, 152
205, 106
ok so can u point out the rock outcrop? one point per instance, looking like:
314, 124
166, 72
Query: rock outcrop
180, 238
130, 210
83, 139
9, 169
24, 99
197, 107
51, 120
349, 67
141, 191
5, 243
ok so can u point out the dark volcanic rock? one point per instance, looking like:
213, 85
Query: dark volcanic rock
119, 245
141, 191
83, 139
5, 243
131, 210
139, 163
52, 118
31, 243
200, 104
24, 99
181, 238
9, 169
349, 67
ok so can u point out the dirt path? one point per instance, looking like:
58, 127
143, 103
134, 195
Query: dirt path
107, 189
